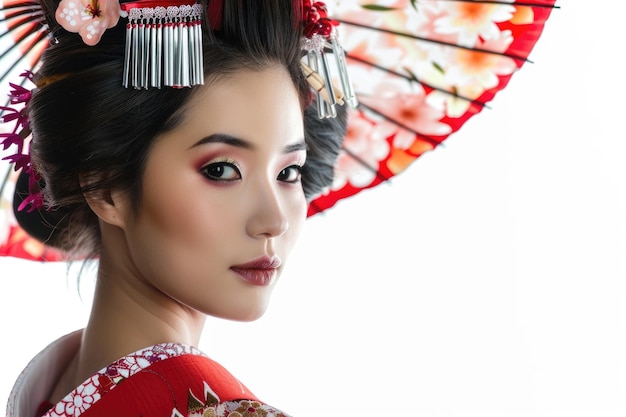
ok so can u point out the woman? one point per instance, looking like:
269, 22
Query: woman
191, 199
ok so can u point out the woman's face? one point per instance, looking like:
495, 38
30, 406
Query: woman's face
222, 203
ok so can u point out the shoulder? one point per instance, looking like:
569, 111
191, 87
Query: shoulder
164, 380
40, 375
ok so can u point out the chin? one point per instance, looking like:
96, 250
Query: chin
248, 313
251, 318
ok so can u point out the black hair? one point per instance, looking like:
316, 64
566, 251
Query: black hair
89, 129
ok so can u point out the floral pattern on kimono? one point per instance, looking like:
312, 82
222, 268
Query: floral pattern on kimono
170, 380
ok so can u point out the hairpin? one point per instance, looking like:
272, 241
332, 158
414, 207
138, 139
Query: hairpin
163, 44
320, 35
163, 37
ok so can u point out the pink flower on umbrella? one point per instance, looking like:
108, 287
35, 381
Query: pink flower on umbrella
425, 23
408, 114
467, 74
364, 150
355, 12
473, 20
88, 18
456, 105
482, 68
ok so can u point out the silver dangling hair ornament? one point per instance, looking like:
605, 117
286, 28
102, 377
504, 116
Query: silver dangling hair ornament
163, 44
320, 36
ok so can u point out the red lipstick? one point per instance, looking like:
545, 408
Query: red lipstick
260, 271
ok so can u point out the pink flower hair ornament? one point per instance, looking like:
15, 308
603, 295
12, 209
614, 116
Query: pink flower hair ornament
179, 64
88, 18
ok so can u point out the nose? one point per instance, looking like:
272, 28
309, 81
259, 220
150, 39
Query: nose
267, 216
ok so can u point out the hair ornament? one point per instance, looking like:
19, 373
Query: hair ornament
163, 44
163, 37
88, 18
19, 97
320, 36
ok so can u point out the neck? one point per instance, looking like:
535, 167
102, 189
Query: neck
128, 314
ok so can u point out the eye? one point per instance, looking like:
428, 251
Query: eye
291, 174
221, 171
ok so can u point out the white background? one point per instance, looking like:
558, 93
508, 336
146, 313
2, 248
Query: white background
486, 280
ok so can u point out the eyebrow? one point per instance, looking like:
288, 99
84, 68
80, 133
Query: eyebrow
243, 144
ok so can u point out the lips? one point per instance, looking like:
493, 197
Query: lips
258, 272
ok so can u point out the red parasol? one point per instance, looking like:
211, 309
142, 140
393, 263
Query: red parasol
420, 70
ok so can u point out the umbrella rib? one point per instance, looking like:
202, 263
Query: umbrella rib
32, 43
410, 78
23, 22
24, 6
35, 16
420, 38
365, 164
422, 136
515, 3
17, 44
5, 180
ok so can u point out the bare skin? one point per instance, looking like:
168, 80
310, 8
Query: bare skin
114, 302
163, 270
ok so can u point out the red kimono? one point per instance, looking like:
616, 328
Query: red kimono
165, 380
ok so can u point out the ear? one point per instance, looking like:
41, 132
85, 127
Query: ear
111, 207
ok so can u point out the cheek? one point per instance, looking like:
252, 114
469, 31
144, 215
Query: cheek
178, 226
297, 217
172, 207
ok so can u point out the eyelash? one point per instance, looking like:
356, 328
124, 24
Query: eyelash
220, 165
217, 176
298, 178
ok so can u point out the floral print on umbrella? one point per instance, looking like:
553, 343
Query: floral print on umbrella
415, 90
421, 69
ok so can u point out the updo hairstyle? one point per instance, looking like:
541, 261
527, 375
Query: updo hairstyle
92, 135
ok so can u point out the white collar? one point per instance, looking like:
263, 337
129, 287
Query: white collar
37, 380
